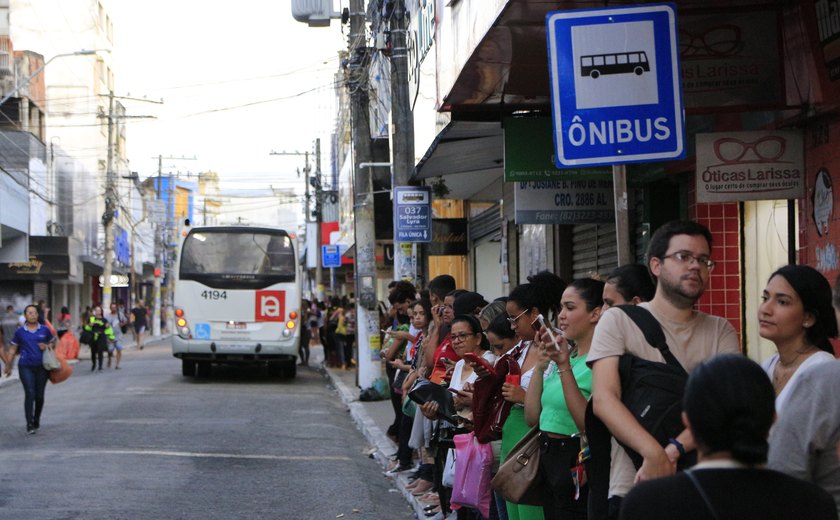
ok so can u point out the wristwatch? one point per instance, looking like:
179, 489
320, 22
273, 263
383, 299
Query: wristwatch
677, 444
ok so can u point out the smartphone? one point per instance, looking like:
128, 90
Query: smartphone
472, 358
455, 391
550, 330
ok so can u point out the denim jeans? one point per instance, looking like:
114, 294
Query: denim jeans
34, 380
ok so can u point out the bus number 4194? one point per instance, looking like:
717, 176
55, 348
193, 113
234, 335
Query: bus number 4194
214, 295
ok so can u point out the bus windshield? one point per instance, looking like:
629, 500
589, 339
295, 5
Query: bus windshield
227, 257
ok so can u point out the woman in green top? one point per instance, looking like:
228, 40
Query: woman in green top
557, 395
102, 333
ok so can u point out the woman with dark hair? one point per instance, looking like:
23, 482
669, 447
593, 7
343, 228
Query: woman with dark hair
557, 396
467, 337
64, 323
629, 283
526, 302
796, 314
728, 409
500, 336
31, 340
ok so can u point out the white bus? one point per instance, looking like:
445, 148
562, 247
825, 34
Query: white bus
237, 299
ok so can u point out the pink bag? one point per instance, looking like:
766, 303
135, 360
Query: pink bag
473, 466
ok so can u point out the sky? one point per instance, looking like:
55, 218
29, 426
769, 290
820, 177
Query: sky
238, 80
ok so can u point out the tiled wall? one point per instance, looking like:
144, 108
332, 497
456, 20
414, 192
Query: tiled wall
723, 296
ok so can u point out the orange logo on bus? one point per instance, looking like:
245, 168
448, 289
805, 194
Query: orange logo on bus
270, 305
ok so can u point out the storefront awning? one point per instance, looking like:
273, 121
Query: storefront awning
470, 157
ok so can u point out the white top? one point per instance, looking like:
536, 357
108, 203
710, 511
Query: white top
456, 382
769, 366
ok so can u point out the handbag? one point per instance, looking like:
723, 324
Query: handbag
519, 479
49, 360
86, 337
66, 370
424, 390
490, 409
471, 487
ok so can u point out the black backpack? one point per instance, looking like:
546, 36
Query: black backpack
651, 390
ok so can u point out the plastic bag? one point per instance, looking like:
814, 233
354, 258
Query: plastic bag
471, 487
50, 361
68, 346
66, 370
448, 478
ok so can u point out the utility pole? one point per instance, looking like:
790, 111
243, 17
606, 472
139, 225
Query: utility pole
158, 255
402, 140
162, 251
319, 218
315, 182
367, 323
110, 205
111, 198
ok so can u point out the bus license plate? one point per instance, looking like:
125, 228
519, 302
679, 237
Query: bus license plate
235, 348
236, 325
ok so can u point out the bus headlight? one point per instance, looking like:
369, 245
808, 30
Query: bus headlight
287, 333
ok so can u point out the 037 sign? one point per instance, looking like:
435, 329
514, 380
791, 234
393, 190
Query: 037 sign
270, 306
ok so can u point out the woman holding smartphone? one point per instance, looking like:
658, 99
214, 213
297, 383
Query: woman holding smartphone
526, 302
557, 396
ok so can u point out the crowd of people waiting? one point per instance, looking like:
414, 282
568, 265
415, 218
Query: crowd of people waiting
563, 362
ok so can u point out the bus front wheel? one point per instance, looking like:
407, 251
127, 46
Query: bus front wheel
187, 368
639, 71
594, 74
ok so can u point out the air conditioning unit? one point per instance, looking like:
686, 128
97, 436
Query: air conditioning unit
316, 13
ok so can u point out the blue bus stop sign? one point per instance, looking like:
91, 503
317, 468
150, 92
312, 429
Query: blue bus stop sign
616, 95
330, 256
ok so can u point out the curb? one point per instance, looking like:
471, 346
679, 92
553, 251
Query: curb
382, 445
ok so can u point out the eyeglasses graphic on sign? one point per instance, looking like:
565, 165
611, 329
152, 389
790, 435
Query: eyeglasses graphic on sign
715, 42
764, 150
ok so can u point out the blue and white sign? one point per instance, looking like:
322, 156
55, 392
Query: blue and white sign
330, 256
201, 331
413, 214
615, 85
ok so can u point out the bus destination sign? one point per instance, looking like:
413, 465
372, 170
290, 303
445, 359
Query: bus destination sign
615, 85
413, 214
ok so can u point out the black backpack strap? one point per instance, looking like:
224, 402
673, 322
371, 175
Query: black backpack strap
652, 331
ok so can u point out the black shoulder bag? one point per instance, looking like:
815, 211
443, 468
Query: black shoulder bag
651, 390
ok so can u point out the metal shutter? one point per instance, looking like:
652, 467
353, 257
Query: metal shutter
487, 225
594, 250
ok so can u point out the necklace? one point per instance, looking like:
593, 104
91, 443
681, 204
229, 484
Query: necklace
793, 361
785, 370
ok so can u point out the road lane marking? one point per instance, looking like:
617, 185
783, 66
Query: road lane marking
181, 454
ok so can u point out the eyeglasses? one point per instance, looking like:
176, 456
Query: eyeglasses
461, 337
513, 320
686, 258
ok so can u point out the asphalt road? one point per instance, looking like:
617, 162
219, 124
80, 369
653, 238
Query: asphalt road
143, 442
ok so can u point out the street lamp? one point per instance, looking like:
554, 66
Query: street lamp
83, 52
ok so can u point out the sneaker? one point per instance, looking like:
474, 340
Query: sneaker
36, 424
397, 470
30, 429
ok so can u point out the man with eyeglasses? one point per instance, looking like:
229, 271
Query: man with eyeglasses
679, 260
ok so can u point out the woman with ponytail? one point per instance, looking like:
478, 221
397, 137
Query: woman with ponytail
527, 301
728, 407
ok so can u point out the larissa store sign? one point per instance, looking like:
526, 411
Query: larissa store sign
734, 166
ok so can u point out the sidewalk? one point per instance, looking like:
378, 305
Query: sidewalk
372, 418
152, 340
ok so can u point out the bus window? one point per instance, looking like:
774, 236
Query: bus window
610, 60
